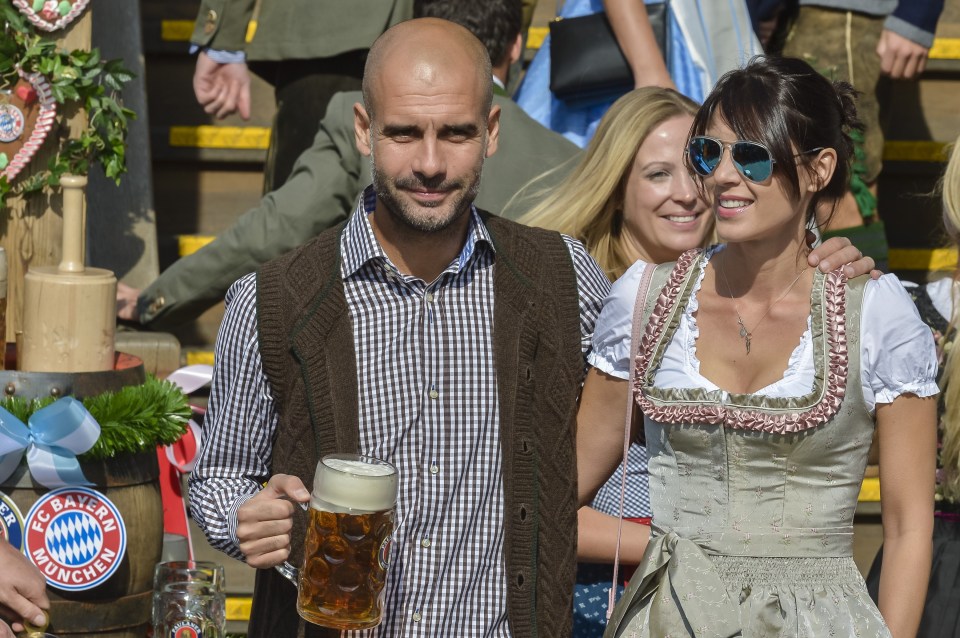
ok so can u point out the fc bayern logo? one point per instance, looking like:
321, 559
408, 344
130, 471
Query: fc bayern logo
11, 522
186, 629
76, 537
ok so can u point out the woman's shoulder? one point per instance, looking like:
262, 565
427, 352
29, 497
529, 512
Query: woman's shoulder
889, 287
626, 287
890, 295
897, 348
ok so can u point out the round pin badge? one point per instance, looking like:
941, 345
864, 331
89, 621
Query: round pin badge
11, 522
11, 123
76, 537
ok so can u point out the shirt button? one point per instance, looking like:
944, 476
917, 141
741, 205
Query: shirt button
416, 616
425, 542
429, 296
433, 393
434, 469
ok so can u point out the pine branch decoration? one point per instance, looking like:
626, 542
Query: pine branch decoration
134, 419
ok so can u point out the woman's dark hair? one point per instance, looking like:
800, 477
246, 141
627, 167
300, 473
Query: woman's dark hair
789, 107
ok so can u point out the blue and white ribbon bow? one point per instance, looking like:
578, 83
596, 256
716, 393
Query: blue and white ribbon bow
57, 433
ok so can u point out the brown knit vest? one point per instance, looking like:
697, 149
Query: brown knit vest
306, 344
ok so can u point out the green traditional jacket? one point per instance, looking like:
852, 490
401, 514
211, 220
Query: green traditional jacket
296, 29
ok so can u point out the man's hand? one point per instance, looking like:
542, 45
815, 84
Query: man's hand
23, 591
900, 58
127, 302
222, 89
264, 522
839, 250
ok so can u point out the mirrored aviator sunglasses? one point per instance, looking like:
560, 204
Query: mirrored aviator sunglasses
751, 159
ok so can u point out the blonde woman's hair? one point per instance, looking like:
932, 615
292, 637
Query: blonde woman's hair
950, 452
588, 205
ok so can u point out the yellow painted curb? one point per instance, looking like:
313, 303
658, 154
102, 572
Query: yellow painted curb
182, 30
870, 491
919, 151
535, 36
176, 30
198, 357
239, 608
258, 138
936, 259
229, 137
945, 49
190, 244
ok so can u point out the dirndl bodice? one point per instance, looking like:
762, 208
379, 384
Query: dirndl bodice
753, 497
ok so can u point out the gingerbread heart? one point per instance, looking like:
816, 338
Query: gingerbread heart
51, 15
27, 115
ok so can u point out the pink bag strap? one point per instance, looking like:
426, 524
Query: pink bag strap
635, 332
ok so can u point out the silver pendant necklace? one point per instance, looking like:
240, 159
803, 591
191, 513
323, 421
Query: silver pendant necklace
747, 334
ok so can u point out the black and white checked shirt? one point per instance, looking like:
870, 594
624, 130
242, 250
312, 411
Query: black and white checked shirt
428, 404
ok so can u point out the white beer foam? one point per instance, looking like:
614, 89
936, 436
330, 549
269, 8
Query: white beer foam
359, 467
349, 485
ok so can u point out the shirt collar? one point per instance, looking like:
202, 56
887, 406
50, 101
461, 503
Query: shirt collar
360, 245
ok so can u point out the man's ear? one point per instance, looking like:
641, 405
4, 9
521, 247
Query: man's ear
361, 129
516, 50
822, 167
493, 130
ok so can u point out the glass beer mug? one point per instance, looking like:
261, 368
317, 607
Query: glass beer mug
347, 543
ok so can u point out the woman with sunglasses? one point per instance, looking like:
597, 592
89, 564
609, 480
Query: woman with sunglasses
629, 197
761, 382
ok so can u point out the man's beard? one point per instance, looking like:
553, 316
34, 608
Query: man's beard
412, 215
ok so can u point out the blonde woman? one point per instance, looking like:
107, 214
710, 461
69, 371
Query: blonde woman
631, 197
937, 304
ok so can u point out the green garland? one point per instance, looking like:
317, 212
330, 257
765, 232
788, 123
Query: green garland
133, 419
77, 79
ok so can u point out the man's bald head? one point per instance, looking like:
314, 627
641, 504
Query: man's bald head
427, 50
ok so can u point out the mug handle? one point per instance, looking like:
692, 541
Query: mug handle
289, 572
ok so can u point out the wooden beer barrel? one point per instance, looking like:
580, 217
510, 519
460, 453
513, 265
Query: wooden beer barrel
119, 605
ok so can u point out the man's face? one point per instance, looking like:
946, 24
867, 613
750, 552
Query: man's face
427, 144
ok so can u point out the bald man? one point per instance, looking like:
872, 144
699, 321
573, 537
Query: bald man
424, 332
328, 177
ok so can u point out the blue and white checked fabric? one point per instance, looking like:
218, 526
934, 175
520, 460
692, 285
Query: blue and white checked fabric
428, 403
636, 502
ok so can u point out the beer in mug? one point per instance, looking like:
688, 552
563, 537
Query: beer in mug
347, 542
